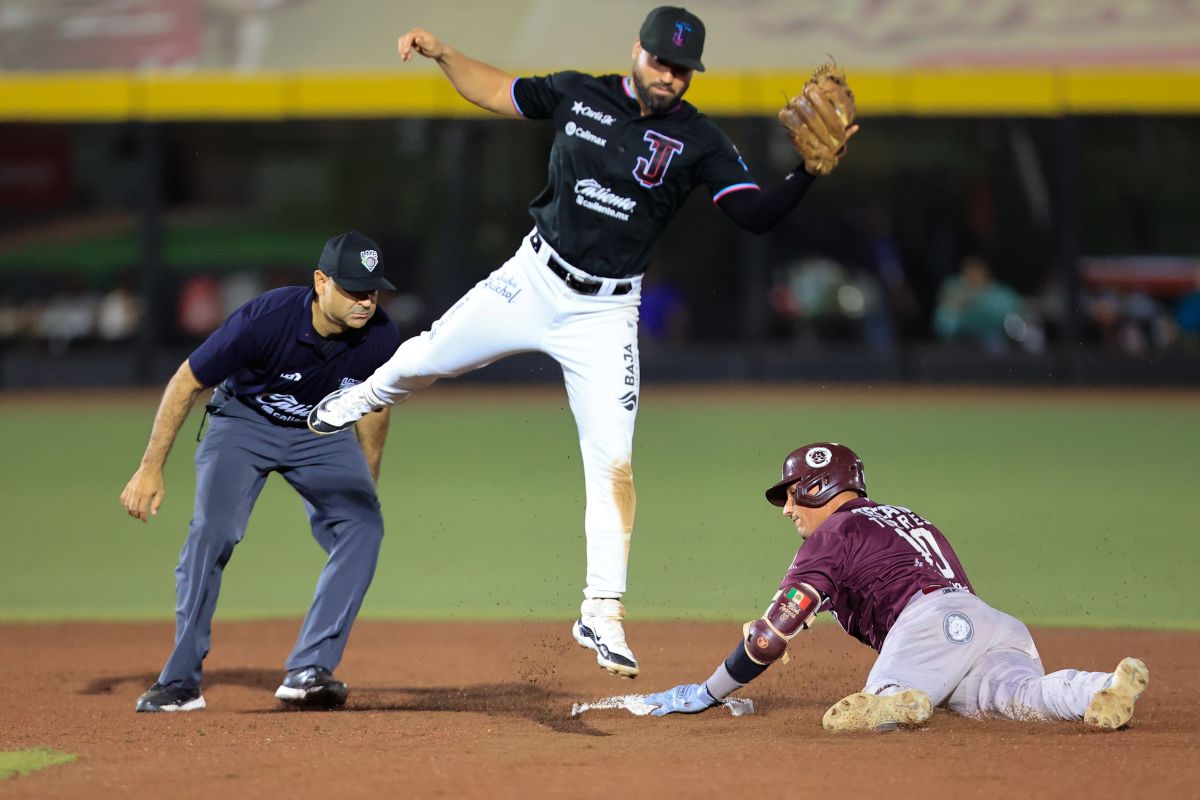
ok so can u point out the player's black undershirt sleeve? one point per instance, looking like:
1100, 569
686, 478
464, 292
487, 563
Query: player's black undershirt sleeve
759, 212
741, 667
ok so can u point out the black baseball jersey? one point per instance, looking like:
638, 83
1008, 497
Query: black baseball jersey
617, 178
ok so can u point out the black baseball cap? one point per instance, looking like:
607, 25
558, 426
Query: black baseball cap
354, 263
674, 35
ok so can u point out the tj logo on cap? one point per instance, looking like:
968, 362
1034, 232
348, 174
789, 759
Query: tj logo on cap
370, 259
682, 29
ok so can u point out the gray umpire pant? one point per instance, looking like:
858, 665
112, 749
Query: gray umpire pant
330, 472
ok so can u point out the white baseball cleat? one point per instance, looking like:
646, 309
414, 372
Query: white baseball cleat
339, 410
599, 628
1112, 707
872, 712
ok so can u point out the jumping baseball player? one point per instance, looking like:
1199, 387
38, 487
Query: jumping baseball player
627, 152
892, 581
273, 359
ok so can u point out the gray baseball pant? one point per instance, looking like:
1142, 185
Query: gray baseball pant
331, 475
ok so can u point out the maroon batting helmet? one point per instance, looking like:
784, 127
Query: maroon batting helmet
822, 470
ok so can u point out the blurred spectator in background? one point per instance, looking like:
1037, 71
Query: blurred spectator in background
821, 299
1130, 322
69, 316
899, 313
201, 308
664, 315
119, 313
1051, 306
973, 307
16, 320
239, 288
1187, 312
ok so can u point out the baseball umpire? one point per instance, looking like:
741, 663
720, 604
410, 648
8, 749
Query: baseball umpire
627, 152
892, 581
273, 359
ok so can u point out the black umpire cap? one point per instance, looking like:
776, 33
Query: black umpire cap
354, 263
674, 35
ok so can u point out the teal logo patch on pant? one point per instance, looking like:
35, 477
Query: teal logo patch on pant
958, 628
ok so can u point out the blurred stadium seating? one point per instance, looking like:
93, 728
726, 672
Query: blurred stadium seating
161, 159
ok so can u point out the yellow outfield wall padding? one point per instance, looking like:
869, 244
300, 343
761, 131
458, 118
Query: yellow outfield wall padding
982, 93
64, 97
377, 94
766, 92
1137, 92
212, 96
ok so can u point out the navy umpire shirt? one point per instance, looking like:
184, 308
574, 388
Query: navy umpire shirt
271, 358
617, 178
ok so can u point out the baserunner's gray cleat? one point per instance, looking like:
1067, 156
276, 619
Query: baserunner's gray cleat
872, 712
1112, 707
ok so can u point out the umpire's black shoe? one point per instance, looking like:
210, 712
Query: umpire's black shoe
171, 698
312, 687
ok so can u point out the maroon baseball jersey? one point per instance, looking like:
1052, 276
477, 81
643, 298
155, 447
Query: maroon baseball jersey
868, 560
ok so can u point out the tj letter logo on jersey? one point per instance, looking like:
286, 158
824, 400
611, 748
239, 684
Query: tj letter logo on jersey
958, 628
651, 171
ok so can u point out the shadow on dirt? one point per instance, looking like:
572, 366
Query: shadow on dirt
545, 707
249, 678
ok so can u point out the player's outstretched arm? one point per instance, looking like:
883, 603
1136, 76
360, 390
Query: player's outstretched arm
143, 494
480, 83
765, 640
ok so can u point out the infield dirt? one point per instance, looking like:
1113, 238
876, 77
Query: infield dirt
461, 710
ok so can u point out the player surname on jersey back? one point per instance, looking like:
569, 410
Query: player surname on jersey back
892, 516
912, 528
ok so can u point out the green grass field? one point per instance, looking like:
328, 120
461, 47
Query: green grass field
1067, 509
22, 762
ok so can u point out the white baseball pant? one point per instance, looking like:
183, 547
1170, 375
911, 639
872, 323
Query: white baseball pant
524, 307
987, 666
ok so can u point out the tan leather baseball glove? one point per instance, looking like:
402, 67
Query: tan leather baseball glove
820, 120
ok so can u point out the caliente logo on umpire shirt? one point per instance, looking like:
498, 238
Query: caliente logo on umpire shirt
283, 407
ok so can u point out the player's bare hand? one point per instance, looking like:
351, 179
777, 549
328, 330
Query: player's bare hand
421, 42
143, 494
